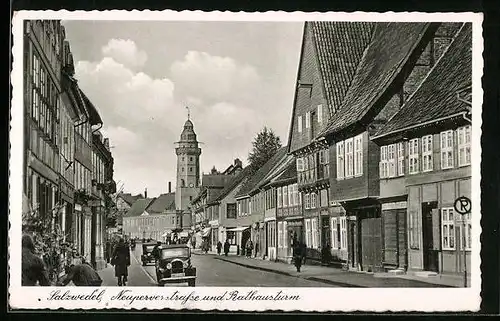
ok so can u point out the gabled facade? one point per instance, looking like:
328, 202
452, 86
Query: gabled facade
250, 204
425, 165
137, 222
330, 54
376, 93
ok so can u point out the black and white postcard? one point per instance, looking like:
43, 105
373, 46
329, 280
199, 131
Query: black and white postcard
245, 161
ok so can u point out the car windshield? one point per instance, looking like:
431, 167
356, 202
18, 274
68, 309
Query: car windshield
149, 248
175, 252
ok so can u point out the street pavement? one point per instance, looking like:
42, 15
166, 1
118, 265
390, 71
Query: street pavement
210, 272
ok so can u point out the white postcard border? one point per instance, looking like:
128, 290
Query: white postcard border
310, 299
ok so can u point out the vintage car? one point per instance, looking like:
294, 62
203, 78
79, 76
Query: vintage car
174, 265
147, 253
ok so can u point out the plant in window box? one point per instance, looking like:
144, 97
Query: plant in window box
81, 196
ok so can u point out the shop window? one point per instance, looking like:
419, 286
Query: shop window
464, 139
447, 149
413, 232
314, 232
447, 228
427, 153
343, 233
309, 240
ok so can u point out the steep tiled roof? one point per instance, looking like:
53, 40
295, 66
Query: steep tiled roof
139, 207
215, 180
241, 177
437, 96
280, 167
163, 202
391, 45
289, 173
339, 47
262, 172
129, 198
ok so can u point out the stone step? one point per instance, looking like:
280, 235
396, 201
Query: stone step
396, 272
425, 274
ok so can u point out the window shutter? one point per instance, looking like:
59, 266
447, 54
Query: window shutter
436, 230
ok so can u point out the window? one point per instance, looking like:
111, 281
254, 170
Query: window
413, 156
295, 194
384, 165
447, 149
190, 159
358, 155
280, 235
320, 114
465, 219
340, 160
308, 119
447, 228
299, 121
313, 197
464, 135
427, 153
349, 158
285, 235
335, 233
314, 232
323, 198
343, 233
413, 232
280, 197
231, 210
182, 169
307, 203
308, 233
300, 164
285, 196
190, 169
401, 159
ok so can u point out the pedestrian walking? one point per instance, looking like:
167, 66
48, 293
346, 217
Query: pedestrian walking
33, 268
298, 255
82, 275
219, 247
156, 251
226, 247
121, 261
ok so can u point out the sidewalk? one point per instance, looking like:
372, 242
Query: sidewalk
339, 277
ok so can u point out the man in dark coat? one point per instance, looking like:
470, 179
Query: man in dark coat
121, 261
219, 247
33, 269
298, 254
81, 275
226, 247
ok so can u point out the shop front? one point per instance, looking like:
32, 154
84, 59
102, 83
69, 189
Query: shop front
395, 253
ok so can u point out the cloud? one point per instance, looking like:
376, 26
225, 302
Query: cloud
213, 78
123, 96
125, 52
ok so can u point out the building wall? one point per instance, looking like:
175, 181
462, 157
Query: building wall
308, 96
149, 226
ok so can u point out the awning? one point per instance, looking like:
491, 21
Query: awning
237, 229
205, 232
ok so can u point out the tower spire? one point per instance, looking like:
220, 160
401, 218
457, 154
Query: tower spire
189, 113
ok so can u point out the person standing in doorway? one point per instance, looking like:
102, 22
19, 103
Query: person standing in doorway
121, 261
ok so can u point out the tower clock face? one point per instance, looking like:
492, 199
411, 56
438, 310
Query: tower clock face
191, 185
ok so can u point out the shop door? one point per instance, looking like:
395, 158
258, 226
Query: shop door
371, 244
390, 238
430, 236
326, 237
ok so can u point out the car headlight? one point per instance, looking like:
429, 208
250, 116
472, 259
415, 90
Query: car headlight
169, 266
185, 264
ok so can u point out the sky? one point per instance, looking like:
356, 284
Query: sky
236, 78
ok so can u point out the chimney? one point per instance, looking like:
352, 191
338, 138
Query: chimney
146, 192
170, 187
237, 162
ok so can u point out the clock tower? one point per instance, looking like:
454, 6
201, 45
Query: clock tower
188, 167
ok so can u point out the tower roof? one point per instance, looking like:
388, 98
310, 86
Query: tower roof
188, 134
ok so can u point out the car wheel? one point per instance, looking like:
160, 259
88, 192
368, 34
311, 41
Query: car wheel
191, 283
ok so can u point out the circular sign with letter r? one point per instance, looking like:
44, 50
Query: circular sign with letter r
462, 205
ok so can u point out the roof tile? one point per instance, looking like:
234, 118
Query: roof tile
437, 95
